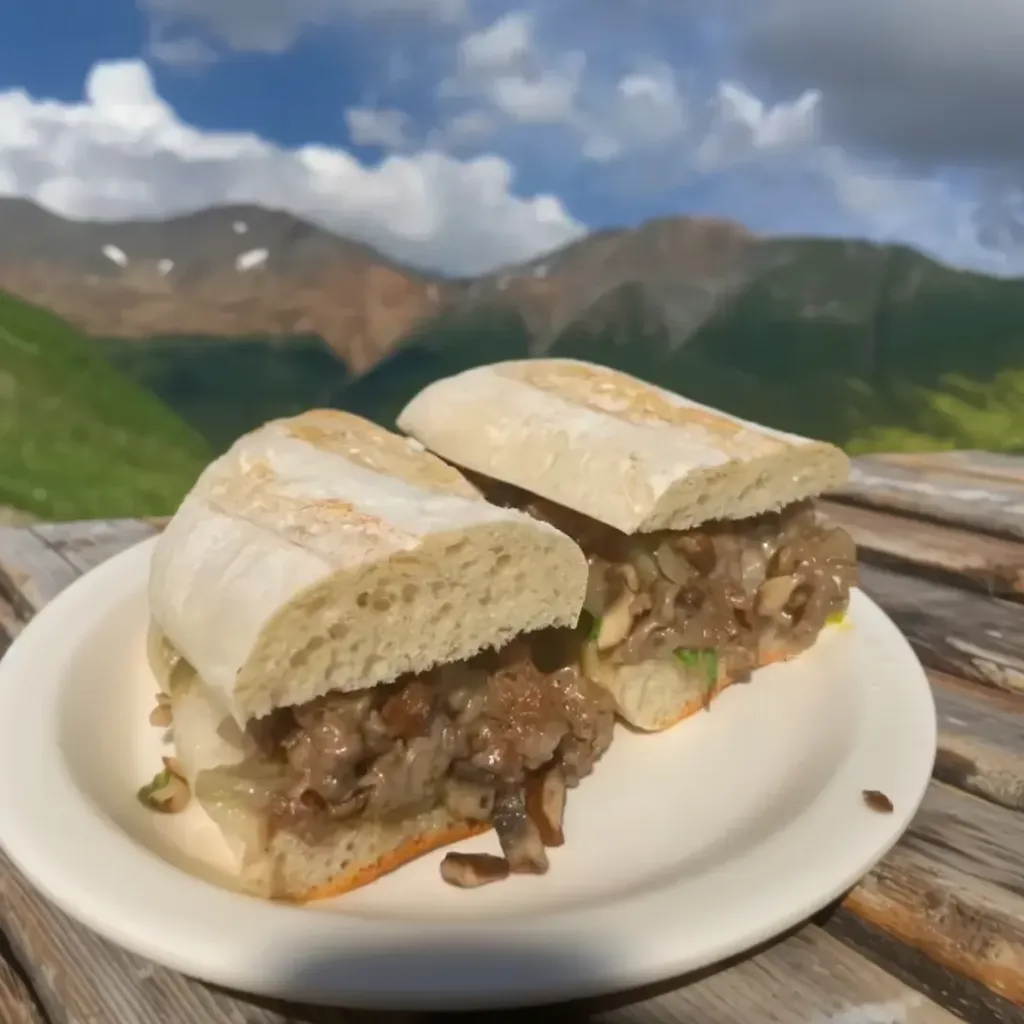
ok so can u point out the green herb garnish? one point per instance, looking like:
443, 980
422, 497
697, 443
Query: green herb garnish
159, 782
706, 661
591, 624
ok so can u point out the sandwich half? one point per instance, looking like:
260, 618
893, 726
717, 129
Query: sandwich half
707, 559
345, 633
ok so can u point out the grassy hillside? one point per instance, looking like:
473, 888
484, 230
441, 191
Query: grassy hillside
226, 386
873, 348
76, 438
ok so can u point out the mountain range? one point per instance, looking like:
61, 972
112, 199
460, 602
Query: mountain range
234, 314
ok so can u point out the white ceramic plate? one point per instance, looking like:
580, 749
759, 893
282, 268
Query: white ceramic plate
682, 848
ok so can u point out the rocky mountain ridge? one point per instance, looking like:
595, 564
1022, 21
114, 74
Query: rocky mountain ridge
244, 271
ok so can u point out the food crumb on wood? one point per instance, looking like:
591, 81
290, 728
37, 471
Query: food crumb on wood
878, 801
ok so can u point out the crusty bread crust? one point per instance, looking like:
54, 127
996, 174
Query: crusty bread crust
325, 553
410, 850
615, 448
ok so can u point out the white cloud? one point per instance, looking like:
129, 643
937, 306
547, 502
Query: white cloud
273, 26
505, 75
179, 51
501, 47
385, 128
123, 152
745, 128
502, 67
548, 97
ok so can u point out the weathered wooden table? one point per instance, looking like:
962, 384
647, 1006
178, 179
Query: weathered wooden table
934, 934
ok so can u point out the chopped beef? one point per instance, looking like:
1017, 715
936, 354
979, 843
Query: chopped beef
747, 591
472, 736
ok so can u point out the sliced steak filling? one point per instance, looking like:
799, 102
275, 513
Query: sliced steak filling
718, 600
479, 737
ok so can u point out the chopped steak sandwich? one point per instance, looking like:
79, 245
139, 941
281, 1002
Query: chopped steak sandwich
706, 559
343, 628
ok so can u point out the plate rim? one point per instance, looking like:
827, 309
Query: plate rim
85, 884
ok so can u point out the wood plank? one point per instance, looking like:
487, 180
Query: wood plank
10, 624
17, 1001
963, 996
31, 573
969, 462
981, 740
79, 977
915, 545
963, 634
954, 888
984, 505
89, 543
808, 976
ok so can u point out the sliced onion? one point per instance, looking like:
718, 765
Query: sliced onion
699, 548
616, 622
775, 593
646, 567
630, 576
673, 565
597, 587
591, 665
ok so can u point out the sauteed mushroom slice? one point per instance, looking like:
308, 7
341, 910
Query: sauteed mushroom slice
519, 836
545, 805
471, 870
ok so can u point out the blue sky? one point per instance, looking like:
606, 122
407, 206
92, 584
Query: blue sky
463, 134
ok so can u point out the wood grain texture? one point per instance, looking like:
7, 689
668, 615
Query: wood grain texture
981, 740
88, 544
965, 997
808, 976
960, 556
952, 630
31, 573
17, 1000
943, 493
954, 888
968, 462
78, 977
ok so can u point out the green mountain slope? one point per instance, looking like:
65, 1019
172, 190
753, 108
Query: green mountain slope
225, 387
78, 440
871, 347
